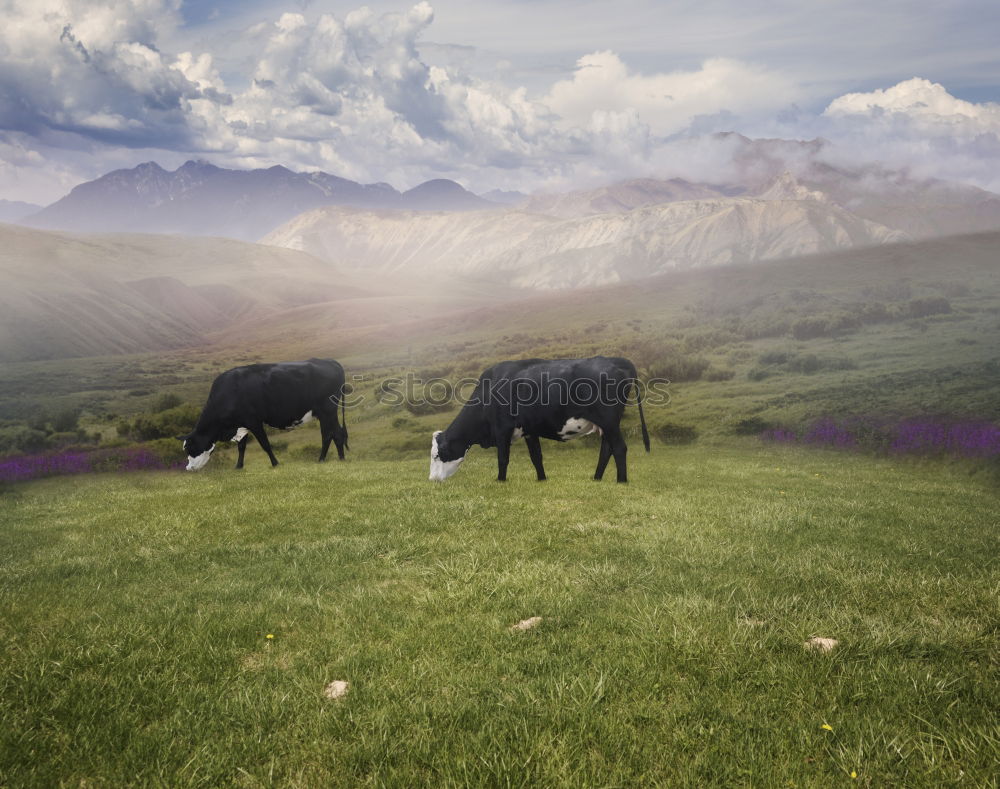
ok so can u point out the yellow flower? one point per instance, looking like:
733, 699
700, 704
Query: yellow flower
853, 774
827, 726
270, 635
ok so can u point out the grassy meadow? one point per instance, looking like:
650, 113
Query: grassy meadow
173, 629
179, 629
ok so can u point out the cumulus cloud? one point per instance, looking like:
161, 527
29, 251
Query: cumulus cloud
924, 103
93, 69
918, 124
357, 95
603, 86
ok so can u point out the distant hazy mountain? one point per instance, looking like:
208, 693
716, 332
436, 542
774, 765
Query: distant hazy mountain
506, 198
440, 195
531, 250
793, 170
15, 210
621, 197
201, 199
920, 207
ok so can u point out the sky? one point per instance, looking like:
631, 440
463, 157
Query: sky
510, 94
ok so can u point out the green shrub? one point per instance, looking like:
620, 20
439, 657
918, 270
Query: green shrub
670, 433
21, 438
677, 367
66, 420
807, 363
773, 357
752, 426
921, 308
165, 402
166, 424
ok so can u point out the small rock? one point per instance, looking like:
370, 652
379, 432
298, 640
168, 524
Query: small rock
336, 689
527, 624
821, 644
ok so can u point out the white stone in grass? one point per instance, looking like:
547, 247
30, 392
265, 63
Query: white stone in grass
820, 644
336, 689
526, 624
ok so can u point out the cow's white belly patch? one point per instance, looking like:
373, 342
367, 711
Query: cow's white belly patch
574, 428
241, 433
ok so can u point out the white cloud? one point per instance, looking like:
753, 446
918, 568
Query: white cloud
667, 103
924, 104
918, 124
355, 95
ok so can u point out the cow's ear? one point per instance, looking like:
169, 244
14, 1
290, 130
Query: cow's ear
182, 438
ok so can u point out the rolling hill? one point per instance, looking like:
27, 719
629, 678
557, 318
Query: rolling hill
65, 295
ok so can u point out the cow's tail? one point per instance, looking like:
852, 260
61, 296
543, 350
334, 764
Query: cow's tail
343, 413
642, 418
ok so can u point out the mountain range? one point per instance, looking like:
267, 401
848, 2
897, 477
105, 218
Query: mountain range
533, 250
201, 199
772, 199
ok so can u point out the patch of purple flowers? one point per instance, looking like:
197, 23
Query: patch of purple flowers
923, 437
26, 467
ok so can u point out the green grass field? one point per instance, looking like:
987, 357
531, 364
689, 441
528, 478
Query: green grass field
137, 610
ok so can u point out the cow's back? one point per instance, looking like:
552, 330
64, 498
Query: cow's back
278, 394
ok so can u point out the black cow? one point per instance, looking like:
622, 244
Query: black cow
283, 395
540, 398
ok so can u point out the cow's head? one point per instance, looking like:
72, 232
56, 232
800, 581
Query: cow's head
199, 449
445, 458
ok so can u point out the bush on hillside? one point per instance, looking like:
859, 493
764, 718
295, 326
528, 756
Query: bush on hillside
921, 308
165, 402
165, 424
66, 420
716, 375
670, 433
678, 367
752, 426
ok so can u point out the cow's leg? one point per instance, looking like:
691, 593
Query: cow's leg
261, 436
503, 453
241, 447
619, 450
326, 431
603, 458
535, 452
339, 439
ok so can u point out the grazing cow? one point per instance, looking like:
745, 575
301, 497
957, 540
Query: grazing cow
283, 395
540, 398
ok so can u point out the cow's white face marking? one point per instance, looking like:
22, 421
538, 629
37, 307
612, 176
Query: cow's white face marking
574, 428
195, 463
518, 433
440, 469
241, 433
